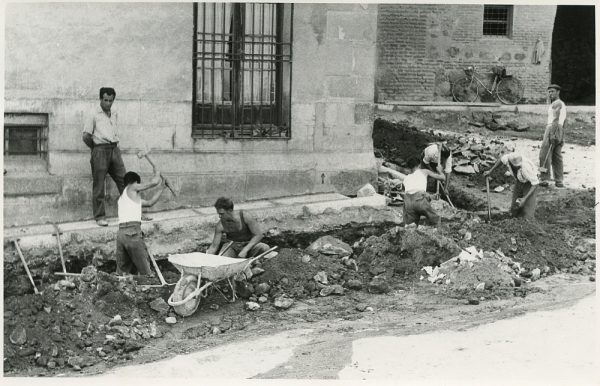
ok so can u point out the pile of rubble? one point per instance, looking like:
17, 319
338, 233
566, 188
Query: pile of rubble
494, 122
79, 322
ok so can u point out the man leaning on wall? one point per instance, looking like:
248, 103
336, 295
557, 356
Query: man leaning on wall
100, 134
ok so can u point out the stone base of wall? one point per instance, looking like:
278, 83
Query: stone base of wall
52, 199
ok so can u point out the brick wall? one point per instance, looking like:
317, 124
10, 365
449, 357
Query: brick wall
422, 48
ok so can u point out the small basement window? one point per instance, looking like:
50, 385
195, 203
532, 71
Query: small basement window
497, 20
25, 142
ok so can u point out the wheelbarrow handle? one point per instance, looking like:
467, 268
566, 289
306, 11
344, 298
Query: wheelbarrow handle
197, 292
258, 257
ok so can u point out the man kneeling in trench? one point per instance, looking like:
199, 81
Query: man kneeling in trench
239, 227
416, 198
524, 195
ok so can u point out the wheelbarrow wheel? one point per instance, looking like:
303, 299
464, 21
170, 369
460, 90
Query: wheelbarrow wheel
183, 288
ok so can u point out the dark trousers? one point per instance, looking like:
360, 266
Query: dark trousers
132, 255
519, 191
555, 159
417, 205
106, 159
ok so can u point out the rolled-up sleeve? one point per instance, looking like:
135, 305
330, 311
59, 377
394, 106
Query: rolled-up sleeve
88, 124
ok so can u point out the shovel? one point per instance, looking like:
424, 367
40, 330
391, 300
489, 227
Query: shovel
543, 169
487, 188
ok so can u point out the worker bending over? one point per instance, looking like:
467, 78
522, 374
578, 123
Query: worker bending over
416, 199
524, 195
438, 158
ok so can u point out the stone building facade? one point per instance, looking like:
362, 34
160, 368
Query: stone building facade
58, 55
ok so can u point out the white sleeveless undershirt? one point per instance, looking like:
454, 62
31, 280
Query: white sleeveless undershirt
415, 182
129, 210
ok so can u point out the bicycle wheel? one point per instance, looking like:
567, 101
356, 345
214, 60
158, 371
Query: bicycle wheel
510, 91
465, 90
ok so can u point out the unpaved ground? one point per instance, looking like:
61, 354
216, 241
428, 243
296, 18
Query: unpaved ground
69, 330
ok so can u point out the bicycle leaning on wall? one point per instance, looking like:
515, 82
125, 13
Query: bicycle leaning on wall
508, 89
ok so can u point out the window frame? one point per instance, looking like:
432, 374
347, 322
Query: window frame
509, 21
27, 121
278, 107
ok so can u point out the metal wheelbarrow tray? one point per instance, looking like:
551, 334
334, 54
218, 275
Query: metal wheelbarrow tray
196, 267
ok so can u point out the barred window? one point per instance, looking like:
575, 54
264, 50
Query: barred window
26, 135
497, 20
242, 70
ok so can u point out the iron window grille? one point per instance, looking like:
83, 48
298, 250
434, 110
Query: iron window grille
242, 70
26, 135
497, 20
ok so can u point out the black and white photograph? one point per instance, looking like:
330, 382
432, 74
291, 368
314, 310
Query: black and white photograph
261, 192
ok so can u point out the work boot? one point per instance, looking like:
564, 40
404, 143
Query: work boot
559, 185
545, 184
146, 218
101, 222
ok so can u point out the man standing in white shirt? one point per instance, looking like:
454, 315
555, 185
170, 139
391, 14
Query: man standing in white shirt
551, 151
100, 134
524, 195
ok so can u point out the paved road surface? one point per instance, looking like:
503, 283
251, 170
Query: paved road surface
546, 347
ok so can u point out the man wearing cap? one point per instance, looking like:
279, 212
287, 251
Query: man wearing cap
438, 158
551, 151
524, 197
100, 134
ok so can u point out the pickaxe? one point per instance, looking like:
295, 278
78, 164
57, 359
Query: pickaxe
168, 184
543, 168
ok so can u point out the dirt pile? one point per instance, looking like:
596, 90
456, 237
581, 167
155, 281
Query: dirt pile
77, 323
561, 238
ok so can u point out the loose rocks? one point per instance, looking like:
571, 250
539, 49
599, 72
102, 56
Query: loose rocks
283, 302
379, 285
159, 305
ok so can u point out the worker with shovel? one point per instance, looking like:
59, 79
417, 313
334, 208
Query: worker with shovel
551, 151
524, 196
132, 254
416, 198
437, 157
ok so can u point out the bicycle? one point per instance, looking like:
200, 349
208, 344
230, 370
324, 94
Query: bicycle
508, 89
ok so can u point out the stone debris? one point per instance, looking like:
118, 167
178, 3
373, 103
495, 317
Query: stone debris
535, 274
329, 245
262, 288
321, 277
171, 320
379, 285
366, 191
335, 289
283, 302
115, 321
18, 336
354, 284
159, 305
252, 306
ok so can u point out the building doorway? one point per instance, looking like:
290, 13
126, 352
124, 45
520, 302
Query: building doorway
573, 53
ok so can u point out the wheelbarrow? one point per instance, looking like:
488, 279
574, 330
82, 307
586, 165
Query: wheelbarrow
201, 272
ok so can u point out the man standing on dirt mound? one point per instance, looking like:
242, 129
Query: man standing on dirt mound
551, 151
524, 196
437, 158
240, 228
416, 198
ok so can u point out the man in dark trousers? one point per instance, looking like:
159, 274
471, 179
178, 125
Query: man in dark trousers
100, 134
554, 138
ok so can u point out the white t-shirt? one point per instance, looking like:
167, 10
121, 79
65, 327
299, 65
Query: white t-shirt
527, 172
